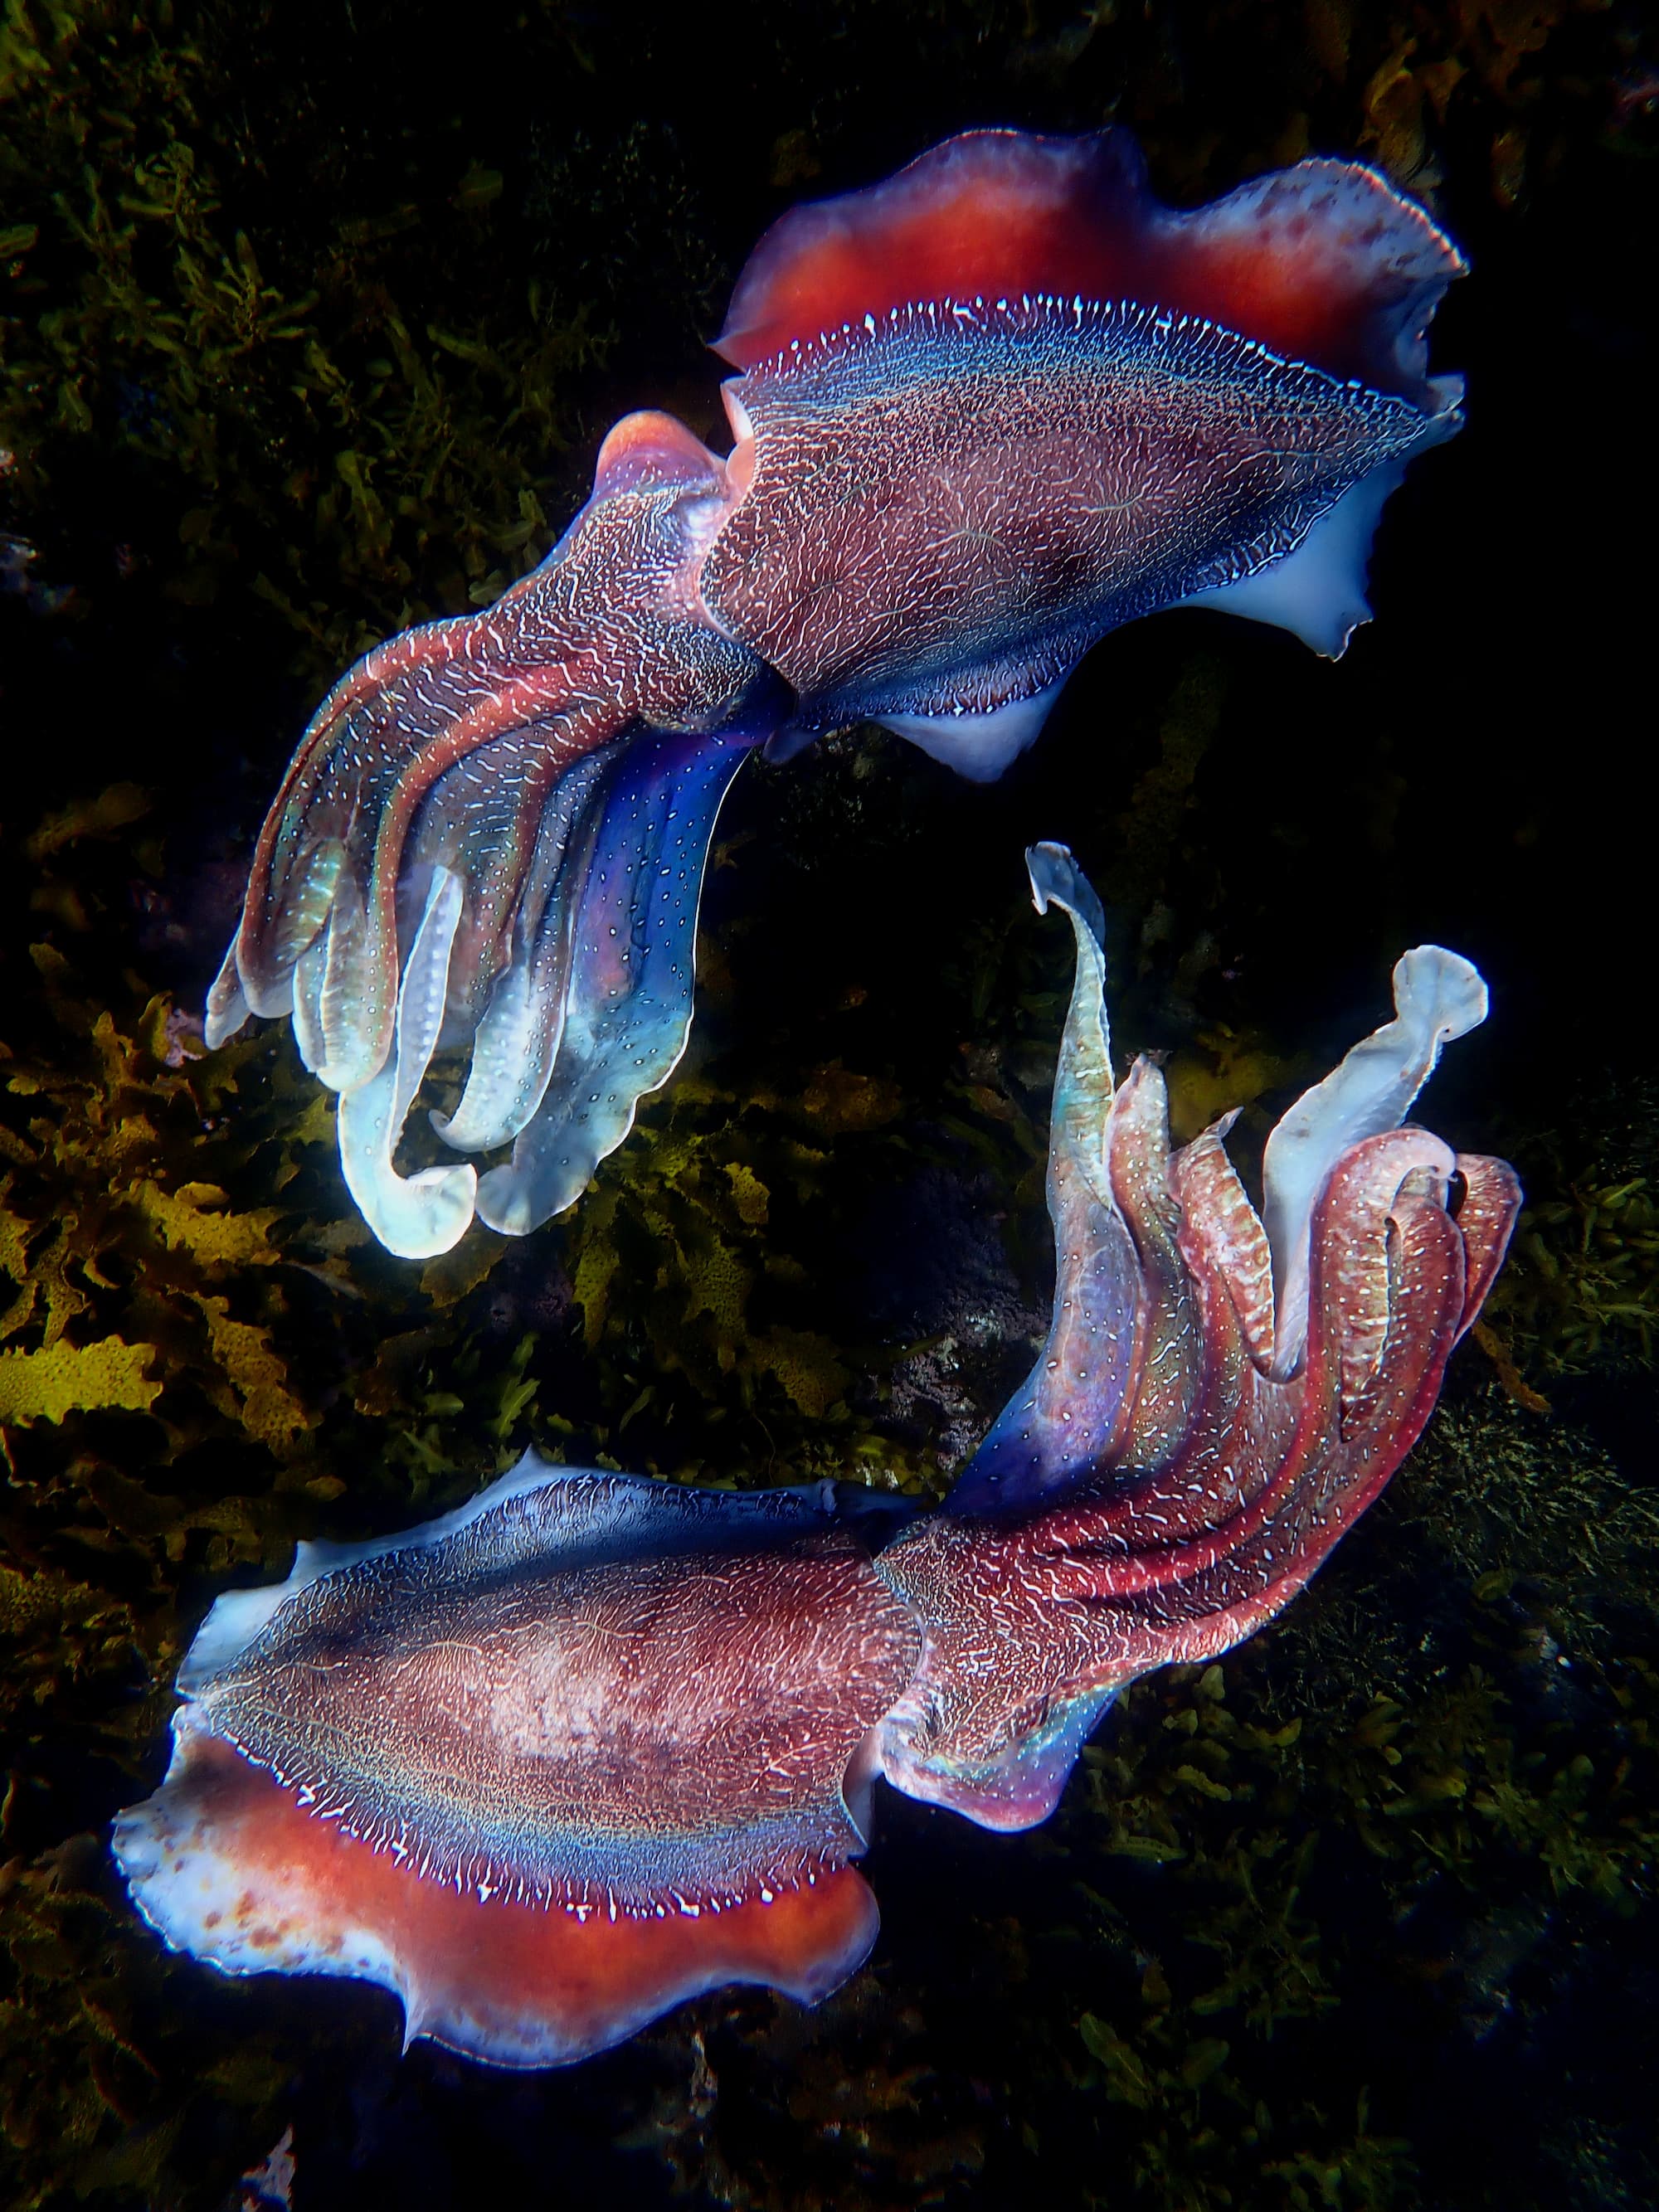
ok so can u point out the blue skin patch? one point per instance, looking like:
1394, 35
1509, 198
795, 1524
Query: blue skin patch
628, 1005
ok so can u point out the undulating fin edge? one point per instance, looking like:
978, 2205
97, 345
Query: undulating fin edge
226, 1867
1325, 263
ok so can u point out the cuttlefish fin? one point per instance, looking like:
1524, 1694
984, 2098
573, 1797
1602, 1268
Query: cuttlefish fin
1324, 262
225, 1864
978, 743
1317, 592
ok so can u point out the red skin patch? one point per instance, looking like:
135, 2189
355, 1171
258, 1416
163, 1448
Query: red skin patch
649, 450
512, 1983
1304, 262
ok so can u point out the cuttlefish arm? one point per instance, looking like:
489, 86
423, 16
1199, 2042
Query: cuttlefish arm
495, 831
548, 1765
1301, 1360
986, 413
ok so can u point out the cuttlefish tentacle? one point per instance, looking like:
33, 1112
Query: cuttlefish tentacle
589, 1745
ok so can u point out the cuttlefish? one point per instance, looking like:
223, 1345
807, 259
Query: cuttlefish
984, 413
592, 1744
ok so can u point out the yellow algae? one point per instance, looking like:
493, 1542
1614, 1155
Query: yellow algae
197, 1219
67, 1378
806, 1365
262, 1402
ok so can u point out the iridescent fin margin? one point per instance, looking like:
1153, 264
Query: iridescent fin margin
225, 1865
1061, 1426
628, 1007
1325, 263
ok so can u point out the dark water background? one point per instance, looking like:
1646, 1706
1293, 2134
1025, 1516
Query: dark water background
1317, 1976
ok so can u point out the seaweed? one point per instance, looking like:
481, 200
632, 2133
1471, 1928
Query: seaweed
1582, 1283
113, 1246
687, 1224
355, 466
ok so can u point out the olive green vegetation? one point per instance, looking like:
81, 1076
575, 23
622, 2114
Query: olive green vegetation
319, 375
354, 462
1581, 1286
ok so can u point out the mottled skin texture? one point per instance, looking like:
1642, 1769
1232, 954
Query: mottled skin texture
989, 412
605, 1735
448, 742
622, 1706
1197, 1481
890, 517
1057, 1610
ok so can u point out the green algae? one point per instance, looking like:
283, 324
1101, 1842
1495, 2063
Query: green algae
687, 1287
355, 464
1582, 1287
